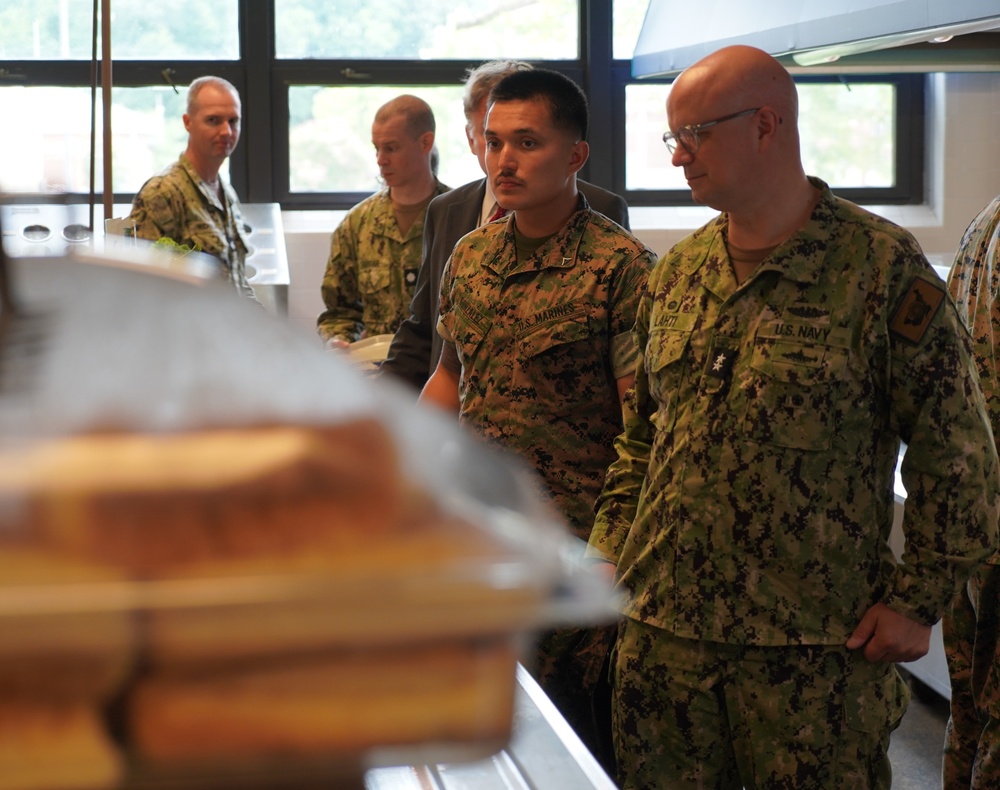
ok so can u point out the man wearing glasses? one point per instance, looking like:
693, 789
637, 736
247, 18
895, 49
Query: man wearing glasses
787, 347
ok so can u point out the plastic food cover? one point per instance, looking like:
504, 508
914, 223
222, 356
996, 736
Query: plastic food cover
385, 651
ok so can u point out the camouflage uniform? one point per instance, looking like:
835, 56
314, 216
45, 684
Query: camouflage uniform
179, 205
972, 626
541, 345
752, 499
372, 271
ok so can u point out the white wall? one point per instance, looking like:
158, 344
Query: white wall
963, 174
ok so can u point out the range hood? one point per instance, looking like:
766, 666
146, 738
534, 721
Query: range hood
811, 33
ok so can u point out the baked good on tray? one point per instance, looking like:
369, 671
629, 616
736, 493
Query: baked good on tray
56, 746
286, 595
65, 635
154, 502
337, 703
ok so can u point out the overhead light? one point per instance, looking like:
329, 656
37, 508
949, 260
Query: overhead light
675, 34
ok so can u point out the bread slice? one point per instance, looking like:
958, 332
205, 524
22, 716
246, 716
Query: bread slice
52, 746
152, 503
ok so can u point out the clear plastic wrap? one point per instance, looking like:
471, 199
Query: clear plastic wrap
382, 644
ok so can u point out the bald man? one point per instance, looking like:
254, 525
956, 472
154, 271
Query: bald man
787, 347
375, 252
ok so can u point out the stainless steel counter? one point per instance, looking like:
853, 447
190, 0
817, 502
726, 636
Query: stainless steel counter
544, 753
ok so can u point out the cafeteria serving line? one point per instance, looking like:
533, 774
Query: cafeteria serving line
249, 560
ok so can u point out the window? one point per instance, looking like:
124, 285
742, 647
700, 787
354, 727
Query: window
849, 132
63, 30
311, 75
427, 29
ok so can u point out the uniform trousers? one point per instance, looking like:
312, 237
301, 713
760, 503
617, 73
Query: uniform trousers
972, 646
696, 714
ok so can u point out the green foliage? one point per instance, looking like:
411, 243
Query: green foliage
170, 245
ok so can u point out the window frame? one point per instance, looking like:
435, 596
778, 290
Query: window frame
259, 167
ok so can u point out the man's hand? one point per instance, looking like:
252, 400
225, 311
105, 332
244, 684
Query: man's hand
336, 342
889, 636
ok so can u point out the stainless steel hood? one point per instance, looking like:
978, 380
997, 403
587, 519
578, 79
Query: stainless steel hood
811, 32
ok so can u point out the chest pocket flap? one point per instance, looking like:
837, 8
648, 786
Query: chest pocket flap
373, 279
551, 334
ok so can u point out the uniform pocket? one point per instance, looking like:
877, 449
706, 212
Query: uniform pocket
373, 280
791, 391
663, 363
562, 364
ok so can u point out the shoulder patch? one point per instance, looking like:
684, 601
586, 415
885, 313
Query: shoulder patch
917, 310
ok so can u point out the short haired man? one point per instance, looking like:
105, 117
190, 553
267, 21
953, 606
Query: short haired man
972, 624
189, 202
536, 312
375, 251
787, 347
416, 346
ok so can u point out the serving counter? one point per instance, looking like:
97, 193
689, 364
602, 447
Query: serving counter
544, 753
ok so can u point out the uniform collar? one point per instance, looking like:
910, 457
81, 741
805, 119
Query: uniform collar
200, 184
557, 252
799, 258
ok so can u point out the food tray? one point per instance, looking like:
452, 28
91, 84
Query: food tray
424, 628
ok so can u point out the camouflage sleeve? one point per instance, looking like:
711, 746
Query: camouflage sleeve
344, 313
617, 504
950, 468
974, 283
629, 286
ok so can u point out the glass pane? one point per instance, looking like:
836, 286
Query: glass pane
330, 136
63, 30
427, 29
847, 135
647, 161
54, 149
626, 24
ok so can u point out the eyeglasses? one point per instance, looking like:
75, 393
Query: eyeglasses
687, 136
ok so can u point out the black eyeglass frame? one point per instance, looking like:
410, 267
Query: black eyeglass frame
671, 139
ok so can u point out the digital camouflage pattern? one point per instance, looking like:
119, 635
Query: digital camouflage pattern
177, 204
972, 626
770, 417
542, 344
752, 499
839, 721
372, 271
971, 636
974, 283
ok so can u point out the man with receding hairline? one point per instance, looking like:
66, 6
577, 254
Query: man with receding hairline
787, 348
189, 202
375, 251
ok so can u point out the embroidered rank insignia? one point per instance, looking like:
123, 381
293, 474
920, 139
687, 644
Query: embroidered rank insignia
721, 364
917, 310
410, 277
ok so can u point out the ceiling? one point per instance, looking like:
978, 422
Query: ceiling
825, 35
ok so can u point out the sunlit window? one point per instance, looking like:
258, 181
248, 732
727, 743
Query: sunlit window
428, 29
311, 75
63, 30
847, 135
54, 148
627, 22
330, 148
